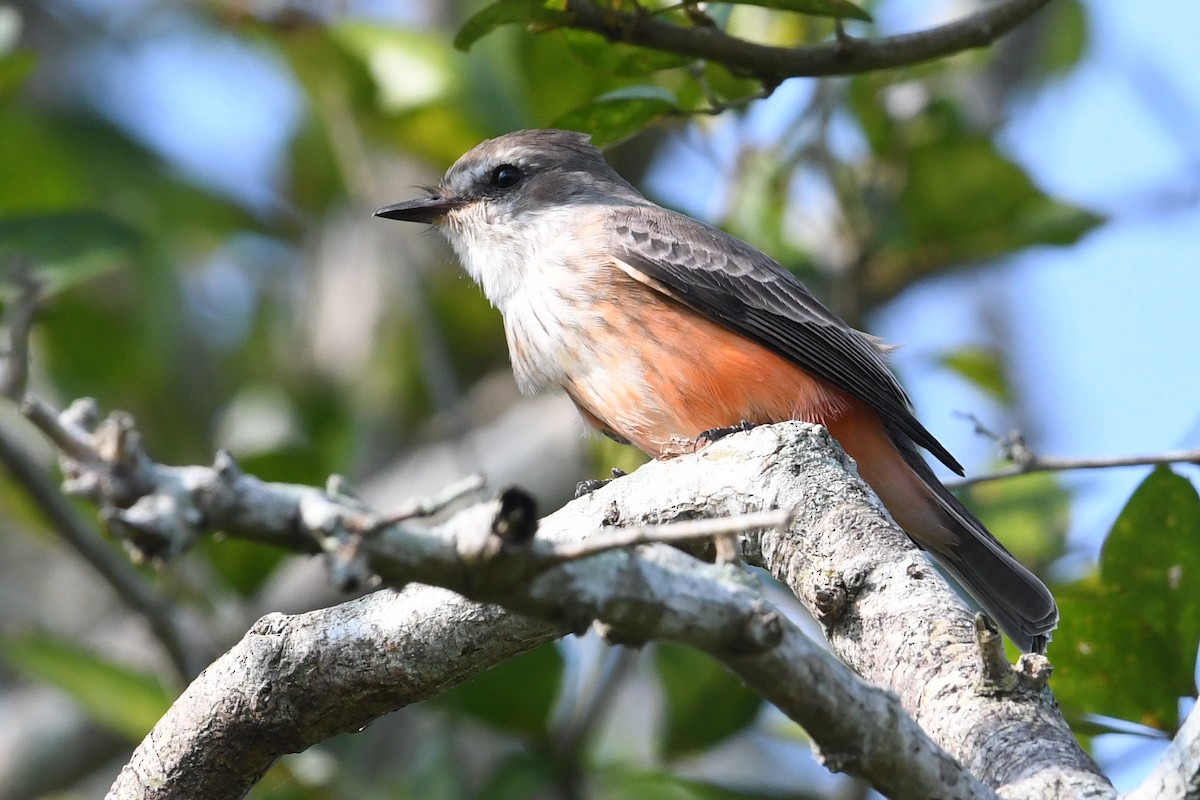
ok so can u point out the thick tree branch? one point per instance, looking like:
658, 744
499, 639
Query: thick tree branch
842, 56
1177, 774
842, 556
294, 681
658, 592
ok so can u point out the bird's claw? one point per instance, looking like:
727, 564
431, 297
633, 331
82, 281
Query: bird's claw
587, 487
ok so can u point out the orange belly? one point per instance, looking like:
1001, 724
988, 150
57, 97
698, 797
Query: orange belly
669, 374
664, 375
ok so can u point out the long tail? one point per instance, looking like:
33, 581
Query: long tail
934, 518
1012, 595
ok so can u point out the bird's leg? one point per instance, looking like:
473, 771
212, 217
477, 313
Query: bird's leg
587, 487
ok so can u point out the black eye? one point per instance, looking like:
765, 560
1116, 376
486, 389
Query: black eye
506, 176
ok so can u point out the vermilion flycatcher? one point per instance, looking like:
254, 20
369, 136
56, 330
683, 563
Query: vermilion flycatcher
661, 328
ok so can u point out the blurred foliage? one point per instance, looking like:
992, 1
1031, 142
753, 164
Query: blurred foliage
126, 700
1129, 636
983, 367
516, 695
1029, 514
705, 703
194, 310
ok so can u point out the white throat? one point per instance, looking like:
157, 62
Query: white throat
529, 270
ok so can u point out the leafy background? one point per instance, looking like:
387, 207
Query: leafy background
194, 181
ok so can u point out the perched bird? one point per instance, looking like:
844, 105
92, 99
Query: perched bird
661, 328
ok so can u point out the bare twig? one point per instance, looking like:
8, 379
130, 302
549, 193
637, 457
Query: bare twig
1036, 463
842, 56
432, 504
20, 316
683, 531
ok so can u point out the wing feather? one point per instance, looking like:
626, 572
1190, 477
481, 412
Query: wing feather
731, 283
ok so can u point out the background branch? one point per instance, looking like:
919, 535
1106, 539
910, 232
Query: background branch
842, 56
1036, 463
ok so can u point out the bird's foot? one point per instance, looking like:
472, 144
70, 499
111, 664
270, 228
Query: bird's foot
713, 434
587, 487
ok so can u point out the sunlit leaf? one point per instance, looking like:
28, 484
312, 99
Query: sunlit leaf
120, 698
508, 12
705, 703
842, 9
1126, 647
620, 114
983, 367
617, 58
409, 68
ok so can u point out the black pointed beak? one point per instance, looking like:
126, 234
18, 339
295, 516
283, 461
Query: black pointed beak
424, 209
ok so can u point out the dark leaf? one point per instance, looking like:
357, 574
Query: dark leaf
516, 695
521, 776
69, 246
617, 58
705, 703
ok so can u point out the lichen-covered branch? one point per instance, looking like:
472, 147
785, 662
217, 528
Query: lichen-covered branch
1177, 774
885, 610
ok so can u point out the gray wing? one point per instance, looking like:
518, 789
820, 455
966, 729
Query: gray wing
740, 288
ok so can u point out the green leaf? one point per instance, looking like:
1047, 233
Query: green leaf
516, 695
964, 196
1127, 644
69, 246
521, 776
705, 703
983, 367
15, 67
619, 114
618, 58
123, 699
1063, 38
509, 12
841, 9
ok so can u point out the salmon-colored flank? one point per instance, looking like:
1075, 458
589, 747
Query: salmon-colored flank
663, 375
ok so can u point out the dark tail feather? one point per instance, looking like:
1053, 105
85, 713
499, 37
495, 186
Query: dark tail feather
1010, 594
